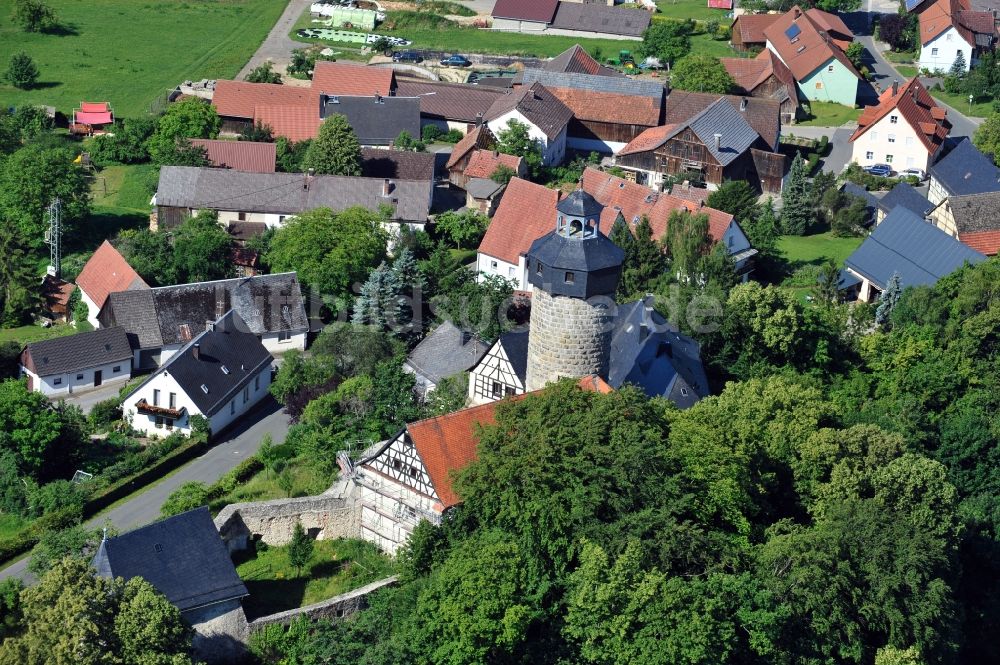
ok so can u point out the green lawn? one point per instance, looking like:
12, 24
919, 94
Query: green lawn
693, 9
336, 567
306, 481
960, 102
128, 53
26, 334
703, 44
906, 71
906, 57
429, 31
10, 525
828, 114
816, 248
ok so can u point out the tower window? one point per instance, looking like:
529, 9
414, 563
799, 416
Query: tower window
575, 227
570, 277
538, 267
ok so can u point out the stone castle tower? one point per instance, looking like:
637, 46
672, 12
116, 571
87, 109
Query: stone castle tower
574, 272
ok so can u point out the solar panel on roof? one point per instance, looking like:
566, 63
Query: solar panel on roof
793, 31
910, 4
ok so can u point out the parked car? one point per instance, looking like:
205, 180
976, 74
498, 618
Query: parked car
456, 61
407, 56
883, 170
919, 174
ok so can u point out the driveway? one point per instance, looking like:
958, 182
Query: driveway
87, 400
238, 444
840, 149
278, 46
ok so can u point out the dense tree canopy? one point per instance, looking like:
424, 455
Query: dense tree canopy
191, 118
29, 181
335, 151
701, 73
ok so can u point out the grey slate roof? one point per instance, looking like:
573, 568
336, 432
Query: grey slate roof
600, 18
402, 164
722, 118
976, 212
906, 196
483, 188
230, 344
73, 353
445, 352
904, 243
657, 358
183, 557
580, 204
965, 170
203, 188
609, 84
538, 105
515, 345
174, 314
377, 120
451, 101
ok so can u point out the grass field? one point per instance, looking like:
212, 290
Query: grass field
816, 248
27, 334
693, 9
306, 481
828, 114
336, 566
127, 52
960, 102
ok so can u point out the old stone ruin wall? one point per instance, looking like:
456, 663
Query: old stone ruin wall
333, 514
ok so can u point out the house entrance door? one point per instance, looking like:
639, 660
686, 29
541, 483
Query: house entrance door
97, 377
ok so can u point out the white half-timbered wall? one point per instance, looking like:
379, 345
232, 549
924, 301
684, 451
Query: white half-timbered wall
493, 378
396, 494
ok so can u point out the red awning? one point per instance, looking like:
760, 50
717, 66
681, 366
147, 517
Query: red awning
92, 118
93, 107
720, 4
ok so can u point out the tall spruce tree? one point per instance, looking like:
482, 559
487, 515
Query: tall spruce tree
335, 151
370, 305
407, 306
887, 302
796, 210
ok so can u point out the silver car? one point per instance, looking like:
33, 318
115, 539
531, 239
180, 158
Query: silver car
919, 174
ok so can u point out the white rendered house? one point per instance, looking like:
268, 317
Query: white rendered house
76, 363
221, 375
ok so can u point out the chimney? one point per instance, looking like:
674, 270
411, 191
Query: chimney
196, 351
386, 187
378, 98
796, 12
496, 154
718, 142
701, 204
895, 87
743, 104
307, 179
209, 325
479, 119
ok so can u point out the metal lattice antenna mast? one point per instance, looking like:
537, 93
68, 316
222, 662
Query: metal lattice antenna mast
53, 236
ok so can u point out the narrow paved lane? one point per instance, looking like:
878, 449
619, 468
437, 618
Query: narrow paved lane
238, 445
278, 46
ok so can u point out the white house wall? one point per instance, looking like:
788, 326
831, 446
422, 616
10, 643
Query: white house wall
898, 140
940, 52
495, 367
275, 345
552, 151
166, 384
74, 382
92, 310
489, 265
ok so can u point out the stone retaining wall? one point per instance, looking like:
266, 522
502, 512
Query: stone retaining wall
335, 514
331, 608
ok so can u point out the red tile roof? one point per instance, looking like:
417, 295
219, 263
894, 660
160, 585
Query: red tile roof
447, 444
56, 293
484, 163
237, 99
479, 138
540, 11
650, 139
253, 156
106, 272
748, 73
940, 15
634, 201
526, 213
577, 61
295, 123
915, 104
609, 107
689, 193
813, 47
349, 79
985, 242
751, 27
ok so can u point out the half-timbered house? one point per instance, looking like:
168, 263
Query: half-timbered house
502, 371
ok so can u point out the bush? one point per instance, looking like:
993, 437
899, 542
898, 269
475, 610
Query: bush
59, 495
200, 426
187, 497
21, 71
34, 16
104, 413
126, 144
430, 133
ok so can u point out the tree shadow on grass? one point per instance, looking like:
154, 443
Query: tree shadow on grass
45, 85
101, 224
62, 30
270, 596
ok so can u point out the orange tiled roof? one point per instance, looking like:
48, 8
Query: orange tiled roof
650, 139
634, 201
609, 107
106, 272
484, 163
526, 212
915, 104
237, 99
751, 27
447, 444
254, 156
748, 73
940, 15
295, 123
343, 78
813, 47
480, 137
985, 242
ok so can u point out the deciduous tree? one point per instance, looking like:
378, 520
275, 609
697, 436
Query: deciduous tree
263, 74
191, 118
30, 179
34, 15
22, 72
515, 139
335, 151
701, 73
667, 40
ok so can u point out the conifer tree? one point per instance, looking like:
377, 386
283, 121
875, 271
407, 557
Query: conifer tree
958, 68
369, 307
405, 309
300, 548
887, 302
796, 210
